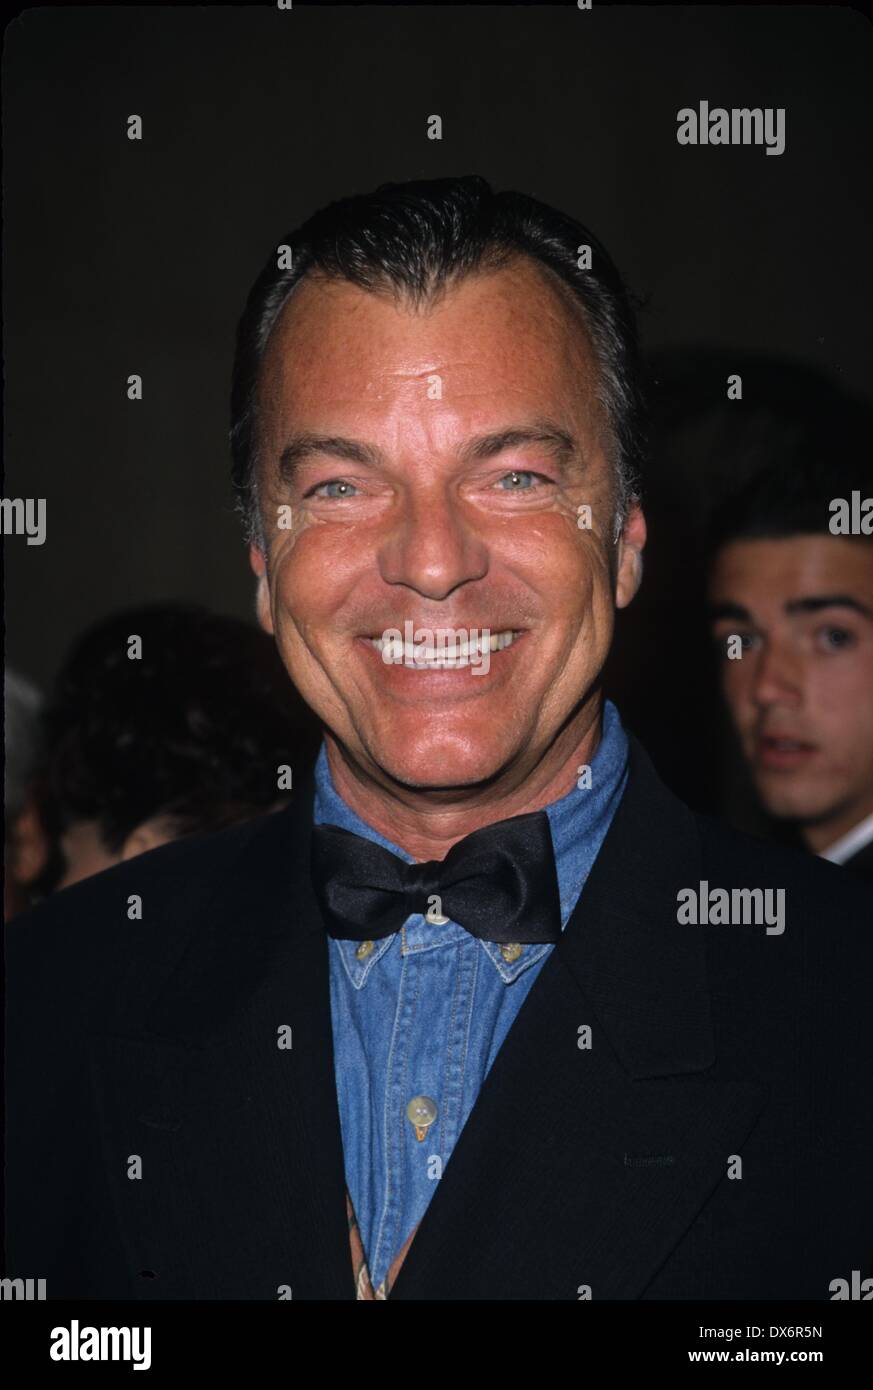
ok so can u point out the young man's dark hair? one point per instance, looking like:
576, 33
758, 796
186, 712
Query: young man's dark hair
415, 240
813, 454
191, 733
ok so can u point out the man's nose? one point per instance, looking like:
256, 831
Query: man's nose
778, 674
433, 546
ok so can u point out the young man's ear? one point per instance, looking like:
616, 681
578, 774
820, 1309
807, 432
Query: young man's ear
149, 835
258, 562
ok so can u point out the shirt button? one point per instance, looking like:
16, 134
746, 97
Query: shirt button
511, 952
365, 949
421, 1112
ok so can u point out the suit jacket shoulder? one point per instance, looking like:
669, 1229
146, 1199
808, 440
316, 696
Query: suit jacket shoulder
86, 952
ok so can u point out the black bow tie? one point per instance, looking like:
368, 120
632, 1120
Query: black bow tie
500, 883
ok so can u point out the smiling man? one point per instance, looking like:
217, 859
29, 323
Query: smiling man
434, 459
799, 600
440, 1030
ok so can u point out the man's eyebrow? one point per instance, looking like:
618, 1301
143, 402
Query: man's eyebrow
716, 611
560, 443
815, 602
303, 446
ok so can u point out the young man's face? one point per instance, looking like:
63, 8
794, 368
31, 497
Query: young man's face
411, 508
801, 696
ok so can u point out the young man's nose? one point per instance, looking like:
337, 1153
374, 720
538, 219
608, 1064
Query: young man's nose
778, 673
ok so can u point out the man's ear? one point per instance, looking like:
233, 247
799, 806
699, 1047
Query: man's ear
28, 844
258, 562
629, 571
149, 835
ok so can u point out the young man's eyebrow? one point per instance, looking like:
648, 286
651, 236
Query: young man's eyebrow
815, 602
560, 444
716, 611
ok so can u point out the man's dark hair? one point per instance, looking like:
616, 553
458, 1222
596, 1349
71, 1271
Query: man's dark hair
414, 240
815, 453
194, 731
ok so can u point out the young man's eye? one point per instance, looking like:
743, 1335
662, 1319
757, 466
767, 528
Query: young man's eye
835, 639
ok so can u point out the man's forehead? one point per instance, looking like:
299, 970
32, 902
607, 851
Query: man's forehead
778, 571
508, 332
818, 552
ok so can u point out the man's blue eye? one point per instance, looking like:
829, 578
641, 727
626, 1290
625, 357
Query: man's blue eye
333, 482
514, 476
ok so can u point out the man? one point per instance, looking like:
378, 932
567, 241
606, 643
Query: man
793, 592
445, 1029
164, 721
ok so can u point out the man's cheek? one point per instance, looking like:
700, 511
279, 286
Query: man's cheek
843, 701
846, 730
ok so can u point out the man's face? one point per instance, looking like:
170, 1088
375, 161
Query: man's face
801, 696
455, 448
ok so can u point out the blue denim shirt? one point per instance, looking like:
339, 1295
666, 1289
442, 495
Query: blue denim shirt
425, 1013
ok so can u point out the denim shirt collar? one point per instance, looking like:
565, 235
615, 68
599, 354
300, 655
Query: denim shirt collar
578, 823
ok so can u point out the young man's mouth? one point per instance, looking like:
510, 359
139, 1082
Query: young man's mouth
782, 754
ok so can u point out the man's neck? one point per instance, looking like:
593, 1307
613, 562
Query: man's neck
427, 822
823, 834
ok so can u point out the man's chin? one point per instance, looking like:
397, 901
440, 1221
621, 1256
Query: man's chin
440, 766
803, 805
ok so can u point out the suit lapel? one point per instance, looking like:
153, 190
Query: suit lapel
242, 1191
577, 1167
583, 1168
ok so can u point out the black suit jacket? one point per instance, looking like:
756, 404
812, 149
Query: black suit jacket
861, 863
604, 1168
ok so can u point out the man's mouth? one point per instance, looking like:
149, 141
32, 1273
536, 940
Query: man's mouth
451, 654
782, 753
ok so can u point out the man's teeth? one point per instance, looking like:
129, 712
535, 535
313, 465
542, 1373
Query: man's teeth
456, 653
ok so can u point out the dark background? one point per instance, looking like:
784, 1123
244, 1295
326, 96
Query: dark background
135, 257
